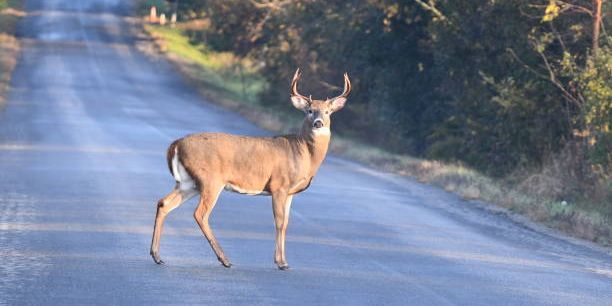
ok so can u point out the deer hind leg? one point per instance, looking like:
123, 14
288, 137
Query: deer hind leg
164, 207
208, 199
281, 204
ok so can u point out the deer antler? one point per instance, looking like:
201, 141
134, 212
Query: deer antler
294, 91
347, 87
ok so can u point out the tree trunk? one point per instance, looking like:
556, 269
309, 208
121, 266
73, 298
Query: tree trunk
596, 25
174, 12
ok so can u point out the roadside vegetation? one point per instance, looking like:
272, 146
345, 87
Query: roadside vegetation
9, 45
508, 102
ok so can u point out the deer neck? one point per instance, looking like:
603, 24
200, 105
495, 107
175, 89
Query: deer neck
315, 143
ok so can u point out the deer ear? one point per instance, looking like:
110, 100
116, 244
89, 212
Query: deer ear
337, 104
300, 102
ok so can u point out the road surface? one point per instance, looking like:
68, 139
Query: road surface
82, 164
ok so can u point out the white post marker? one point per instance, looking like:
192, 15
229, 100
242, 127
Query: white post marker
153, 14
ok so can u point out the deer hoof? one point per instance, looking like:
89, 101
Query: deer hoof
226, 264
283, 267
157, 260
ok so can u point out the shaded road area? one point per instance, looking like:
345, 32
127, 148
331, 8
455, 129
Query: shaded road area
82, 164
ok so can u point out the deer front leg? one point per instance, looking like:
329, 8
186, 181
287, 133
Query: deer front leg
208, 199
281, 204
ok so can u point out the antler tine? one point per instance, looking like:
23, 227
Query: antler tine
294, 91
296, 77
347, 87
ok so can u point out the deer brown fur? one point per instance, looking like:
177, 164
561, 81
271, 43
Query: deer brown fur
280, 166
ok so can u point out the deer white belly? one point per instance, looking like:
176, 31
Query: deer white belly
237, 189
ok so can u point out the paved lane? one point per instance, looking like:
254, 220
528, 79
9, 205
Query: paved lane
82, 145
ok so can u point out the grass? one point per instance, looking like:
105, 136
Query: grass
9, 45
15, 4
220, 70
219, 77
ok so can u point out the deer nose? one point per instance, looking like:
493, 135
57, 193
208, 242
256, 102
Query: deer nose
318, 123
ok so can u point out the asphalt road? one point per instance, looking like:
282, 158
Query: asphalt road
82, 164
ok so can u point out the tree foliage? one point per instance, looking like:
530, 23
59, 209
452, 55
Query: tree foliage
494, 84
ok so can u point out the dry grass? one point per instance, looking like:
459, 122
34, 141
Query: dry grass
9, 45
537, 195
534, 194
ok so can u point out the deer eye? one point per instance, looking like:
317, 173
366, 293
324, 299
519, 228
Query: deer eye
310, 111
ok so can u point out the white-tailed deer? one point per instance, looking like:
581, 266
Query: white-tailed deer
279, 166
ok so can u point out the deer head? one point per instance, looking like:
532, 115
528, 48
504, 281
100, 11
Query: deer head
318, 112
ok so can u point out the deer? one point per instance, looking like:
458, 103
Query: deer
282, 166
